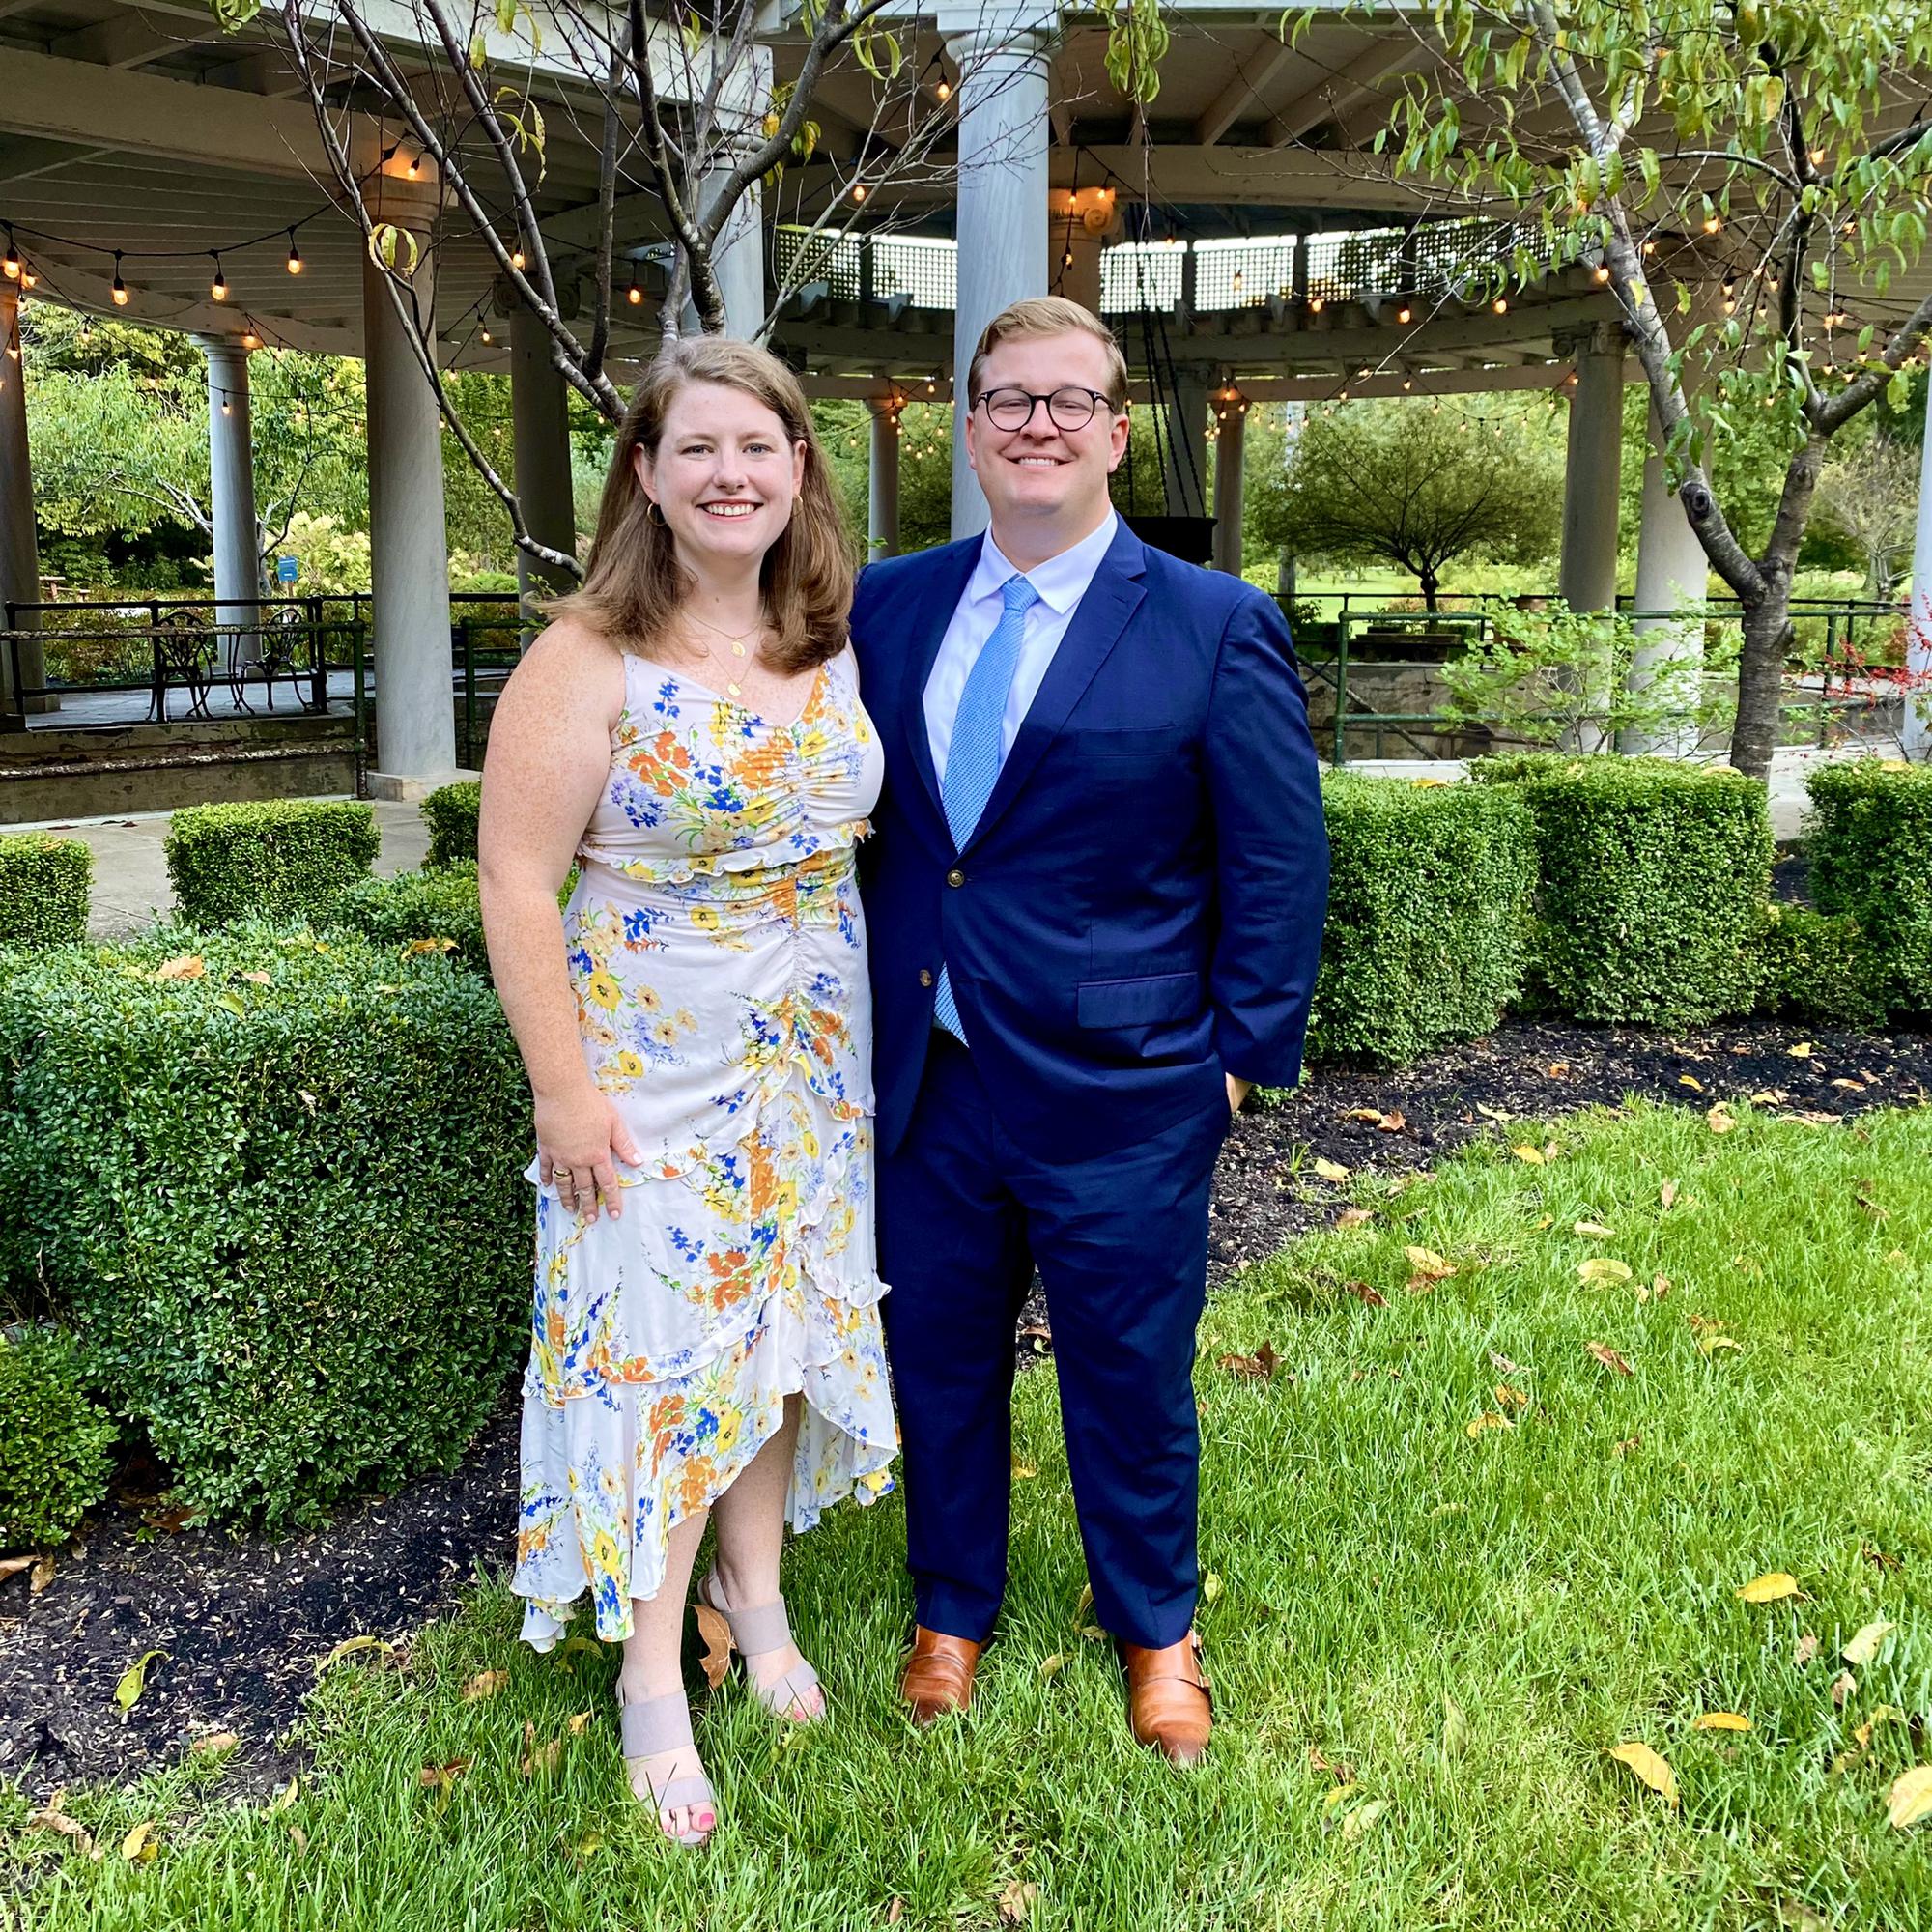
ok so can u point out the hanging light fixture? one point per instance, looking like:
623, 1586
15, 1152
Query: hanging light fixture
10, 267
294, 255
250, 340
633, 294
219, 289
120, 289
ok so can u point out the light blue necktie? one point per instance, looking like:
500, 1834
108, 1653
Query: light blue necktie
974, 757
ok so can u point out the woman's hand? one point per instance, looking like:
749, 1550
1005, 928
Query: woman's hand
577, 1135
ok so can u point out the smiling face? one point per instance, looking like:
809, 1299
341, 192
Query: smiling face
725, 473
1043, 479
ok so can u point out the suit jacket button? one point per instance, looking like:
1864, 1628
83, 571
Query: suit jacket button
925, 976
955, 877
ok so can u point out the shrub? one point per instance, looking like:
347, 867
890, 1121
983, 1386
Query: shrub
1651, 880
1428, 914
274, 1183
450, 813
54, 1442
1870, 844
277, 858
1815, 966
43, 889
420, 910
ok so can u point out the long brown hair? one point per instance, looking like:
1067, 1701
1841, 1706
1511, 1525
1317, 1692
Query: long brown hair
634, 583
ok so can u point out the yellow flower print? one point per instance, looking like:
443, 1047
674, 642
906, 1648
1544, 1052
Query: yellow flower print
664, 1034
647, 997
810, 1145
784, 1202
605, 1553
630, 1065
730, 1425
812, 743
604, 990
705, 918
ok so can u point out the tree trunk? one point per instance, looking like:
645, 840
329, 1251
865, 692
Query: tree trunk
1429, 582
1761, 678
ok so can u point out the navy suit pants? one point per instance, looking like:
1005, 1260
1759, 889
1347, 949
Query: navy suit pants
1120, 1242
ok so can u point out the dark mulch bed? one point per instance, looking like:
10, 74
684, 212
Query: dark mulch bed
244, 1623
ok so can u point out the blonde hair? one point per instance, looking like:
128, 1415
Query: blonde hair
1049, 315
634, 582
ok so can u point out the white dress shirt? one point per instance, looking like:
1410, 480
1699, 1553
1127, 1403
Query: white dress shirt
1061, 580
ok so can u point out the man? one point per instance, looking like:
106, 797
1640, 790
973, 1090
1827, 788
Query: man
1095, 902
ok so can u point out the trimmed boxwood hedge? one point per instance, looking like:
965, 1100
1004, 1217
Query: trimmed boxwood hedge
1870, 847
55, 1444
450, 813
1816, 966
272, 858
44, 883
418, 909
1428, 915
1651, 880
274, 1185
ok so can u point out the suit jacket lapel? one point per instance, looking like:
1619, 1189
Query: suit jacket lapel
940, 598
1109, 599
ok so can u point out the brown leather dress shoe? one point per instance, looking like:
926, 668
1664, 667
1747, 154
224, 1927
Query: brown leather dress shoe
1168, 1698
938, 1674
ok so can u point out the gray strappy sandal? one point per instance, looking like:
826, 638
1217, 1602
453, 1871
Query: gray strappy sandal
754, 1633
663, 1725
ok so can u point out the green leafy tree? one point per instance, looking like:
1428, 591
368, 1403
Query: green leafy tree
1756, 145
1414, 485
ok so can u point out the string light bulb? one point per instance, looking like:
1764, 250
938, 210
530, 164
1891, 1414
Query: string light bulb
1316, 303
250, 340
294, 255
633, 294
1500, 305
227, 407
944, 90
858, 190
415, 167
10, 267
517, 259
28, 279
120, 289
1405, 313
219, 289
1602, 272
1817, 158
486, 335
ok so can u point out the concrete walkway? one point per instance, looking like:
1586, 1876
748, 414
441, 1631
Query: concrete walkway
130, 870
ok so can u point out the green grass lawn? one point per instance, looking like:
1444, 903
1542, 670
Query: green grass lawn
1425, 1642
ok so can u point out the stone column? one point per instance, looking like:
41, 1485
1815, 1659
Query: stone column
1231, 423
19, 549
1587, 574
1671, 569
1918, 726
1002, 222
231, 490
738, 260
882, 503
1184, 449
408, 543
1080, 223
540, 428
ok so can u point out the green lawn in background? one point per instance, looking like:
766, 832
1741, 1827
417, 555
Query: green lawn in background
1424, 1642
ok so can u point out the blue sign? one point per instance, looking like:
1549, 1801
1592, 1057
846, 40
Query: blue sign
287, 569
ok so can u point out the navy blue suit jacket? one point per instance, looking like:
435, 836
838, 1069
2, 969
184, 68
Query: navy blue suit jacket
1139, 909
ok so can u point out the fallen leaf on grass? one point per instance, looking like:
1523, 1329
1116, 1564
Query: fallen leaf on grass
1531, 1155
539, 1760
1015, 1902
257, 978
440, 1776
1503, 1364
53, 1819
485, 1684
1720, 1720
1711, 1342
1863, 1647
1807, 1649
1718, 1120
1773, 1587
715, 1633
1842, 1686
1510, 1398
1352, 1217
285, 1797
1363, 1817
1455, 1728
1370, 1296
1667, 1194
1594, 1230
134, 1681
1318, 1760
1022, 1473
1261, 1366
1210, 1586
1871, 1206
1911, 1799
1885, 1714
1429, 1265
1489, 1419
216, 1744
1603, 1352
894, 1911
1650, 1768
1602, 1267
1624, 1448
138, 1847
1331, 1170
1051, 1666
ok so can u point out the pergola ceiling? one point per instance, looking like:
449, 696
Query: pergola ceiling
147, 130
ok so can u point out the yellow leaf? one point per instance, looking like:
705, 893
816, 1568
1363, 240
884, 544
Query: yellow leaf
1720, 1720
1602, 1267
138, 1847
1691, 1081
1331, 1170
1533, 1155
1427, 1262
485, 1684
1510, 1398
134, 1680
1210, 1586
1773, 1587
1801, 1051
1718, 1120
577, 1722
216, 1744
1051, 1666
1371, 1115
188, 966
417, 947
1710, 1341
1335, 1797
1015, 1902
1488, 1420
1023, 1472
350, 1646
1911, 1799
1863, 1647
1363, 1817
1594, 1230
1650, 1768
286, 1796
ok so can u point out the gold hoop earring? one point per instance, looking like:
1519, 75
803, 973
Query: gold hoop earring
654, 513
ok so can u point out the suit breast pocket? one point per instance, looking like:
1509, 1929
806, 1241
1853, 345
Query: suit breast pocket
1143, 1002
1136, 750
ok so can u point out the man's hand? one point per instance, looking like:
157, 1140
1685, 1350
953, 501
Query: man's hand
1237, 1091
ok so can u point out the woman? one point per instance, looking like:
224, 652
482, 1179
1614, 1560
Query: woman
696, 1028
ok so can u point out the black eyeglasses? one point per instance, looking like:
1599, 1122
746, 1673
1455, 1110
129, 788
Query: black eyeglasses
1068, 409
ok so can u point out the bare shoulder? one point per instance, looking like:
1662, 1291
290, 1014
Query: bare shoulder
572, 667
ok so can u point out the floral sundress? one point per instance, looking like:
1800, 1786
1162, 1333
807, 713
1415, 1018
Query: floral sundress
717, 951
